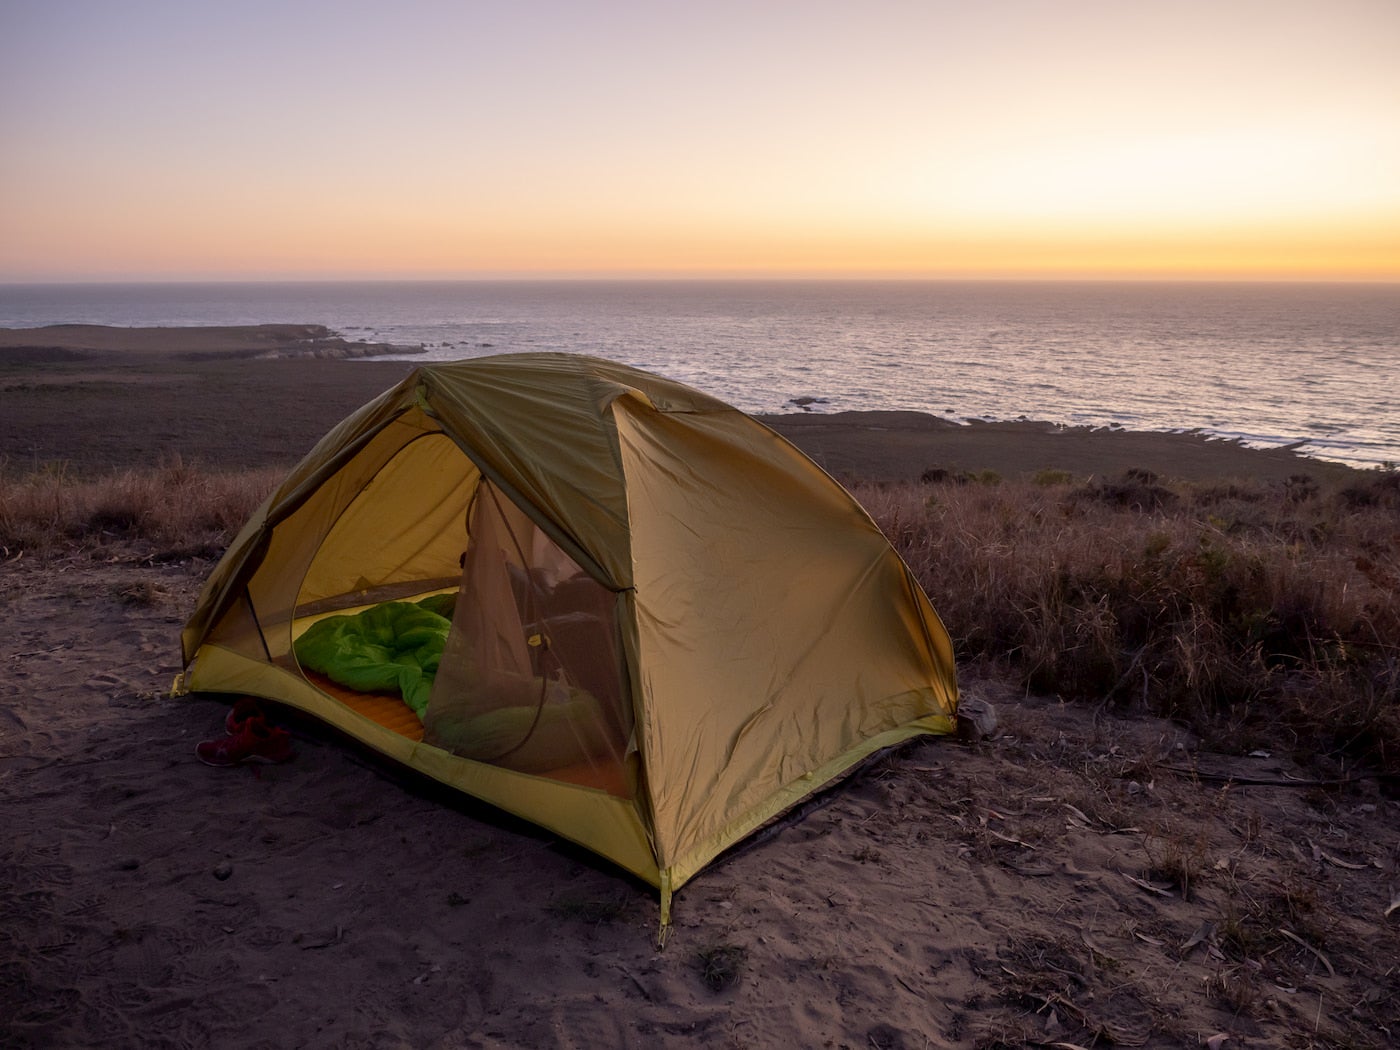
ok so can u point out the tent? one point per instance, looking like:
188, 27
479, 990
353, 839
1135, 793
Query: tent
591, 596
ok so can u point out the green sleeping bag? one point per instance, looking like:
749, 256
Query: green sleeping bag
390, 648
527, 738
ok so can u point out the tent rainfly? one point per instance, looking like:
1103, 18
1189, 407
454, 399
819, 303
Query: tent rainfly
591, 596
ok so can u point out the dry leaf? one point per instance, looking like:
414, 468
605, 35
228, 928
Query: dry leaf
1341, 863
1007, 838
1089, 943
1161, 891
1079, 816
1299, 941
1206, 932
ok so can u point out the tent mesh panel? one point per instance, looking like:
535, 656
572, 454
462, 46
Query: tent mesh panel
530, 677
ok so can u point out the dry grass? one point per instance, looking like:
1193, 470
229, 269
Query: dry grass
174, 506
721, 965
1245, 610
1241, 608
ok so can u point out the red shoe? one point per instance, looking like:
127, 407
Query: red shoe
243, 711
255, 742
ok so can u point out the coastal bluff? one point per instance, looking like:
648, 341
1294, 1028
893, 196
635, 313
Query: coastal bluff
95, 398
54, 344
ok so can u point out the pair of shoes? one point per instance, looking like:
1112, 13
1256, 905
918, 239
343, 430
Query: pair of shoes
250, 739
245, 710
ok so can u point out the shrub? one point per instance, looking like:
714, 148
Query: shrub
1136, 490
721, 965
1053, 477
173, 506
1380, 490
944, 476
1245, 607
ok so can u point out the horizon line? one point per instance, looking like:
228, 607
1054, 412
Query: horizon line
592, 278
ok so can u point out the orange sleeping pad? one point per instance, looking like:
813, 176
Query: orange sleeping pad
393, 714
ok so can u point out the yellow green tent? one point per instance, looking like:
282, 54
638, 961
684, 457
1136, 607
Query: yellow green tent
660, 624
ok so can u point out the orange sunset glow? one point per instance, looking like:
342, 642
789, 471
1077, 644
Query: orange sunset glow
303, 140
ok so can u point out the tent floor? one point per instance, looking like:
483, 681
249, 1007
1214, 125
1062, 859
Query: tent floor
393, 714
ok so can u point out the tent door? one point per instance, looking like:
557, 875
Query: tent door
530, 677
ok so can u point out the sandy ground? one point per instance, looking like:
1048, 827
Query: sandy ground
1067, 882
1015, 890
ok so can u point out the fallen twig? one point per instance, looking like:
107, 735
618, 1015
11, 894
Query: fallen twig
1231, 778
40, 652
1302, 943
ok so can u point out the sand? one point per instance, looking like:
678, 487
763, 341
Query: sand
1022, 889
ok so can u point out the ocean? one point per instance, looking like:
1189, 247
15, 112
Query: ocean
1315, 365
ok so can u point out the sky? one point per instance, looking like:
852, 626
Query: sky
335, 139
